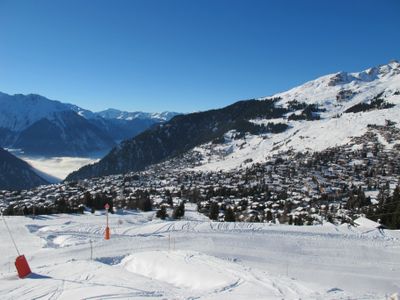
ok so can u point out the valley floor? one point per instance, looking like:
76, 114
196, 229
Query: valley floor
55, 169
194, 258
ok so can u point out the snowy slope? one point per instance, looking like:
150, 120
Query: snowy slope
333, 93
319, 114
196, 259
364, 85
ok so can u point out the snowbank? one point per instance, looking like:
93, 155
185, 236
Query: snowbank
186, 269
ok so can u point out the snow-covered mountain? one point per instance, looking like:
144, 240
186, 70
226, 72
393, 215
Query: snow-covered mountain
124, 115
18, 112
41, 126
317, 115
346, 104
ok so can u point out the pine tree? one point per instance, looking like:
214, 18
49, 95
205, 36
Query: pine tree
143, 200
269, 216
179, 211
214, 211
162, 213
169, 198
87, 199
229, 215
148, 206
389, 208
394, 219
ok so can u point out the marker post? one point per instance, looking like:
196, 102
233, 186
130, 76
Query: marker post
107, 233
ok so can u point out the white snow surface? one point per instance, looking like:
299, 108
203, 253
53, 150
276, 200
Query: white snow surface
335, 127
367, 223
193, 258
188, 269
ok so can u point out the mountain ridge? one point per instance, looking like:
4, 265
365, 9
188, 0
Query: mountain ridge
112, 113
323, 100
40, 126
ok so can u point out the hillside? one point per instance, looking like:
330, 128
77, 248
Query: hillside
322, 113
15, 174
177, 136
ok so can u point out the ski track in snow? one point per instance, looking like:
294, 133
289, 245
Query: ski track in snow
196, 259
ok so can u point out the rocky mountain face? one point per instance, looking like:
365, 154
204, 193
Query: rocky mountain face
15, 174
322, 113
39, 126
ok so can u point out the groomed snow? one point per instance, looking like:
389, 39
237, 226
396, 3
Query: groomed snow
185, 269
147, 258
364, 222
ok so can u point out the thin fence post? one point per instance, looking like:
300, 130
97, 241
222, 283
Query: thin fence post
91, 250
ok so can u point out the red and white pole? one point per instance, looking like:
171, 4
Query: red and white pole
107, 233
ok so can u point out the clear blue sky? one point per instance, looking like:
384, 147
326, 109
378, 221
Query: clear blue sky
186, 55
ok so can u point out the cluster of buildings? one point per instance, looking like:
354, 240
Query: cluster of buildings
335, 185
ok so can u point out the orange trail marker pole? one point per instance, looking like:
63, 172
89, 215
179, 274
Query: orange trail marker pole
107, 233
21, 263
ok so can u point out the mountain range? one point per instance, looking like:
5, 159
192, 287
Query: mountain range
39, 126
322, 113
319, 114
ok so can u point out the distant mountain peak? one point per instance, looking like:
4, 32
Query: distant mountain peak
112, 113
370, 74
42, 126
394, 63
319, 114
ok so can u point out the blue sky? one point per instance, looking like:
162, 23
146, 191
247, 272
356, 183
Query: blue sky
186, 55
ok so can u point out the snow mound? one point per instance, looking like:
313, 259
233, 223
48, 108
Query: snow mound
364, 222
68, 240
186, 269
